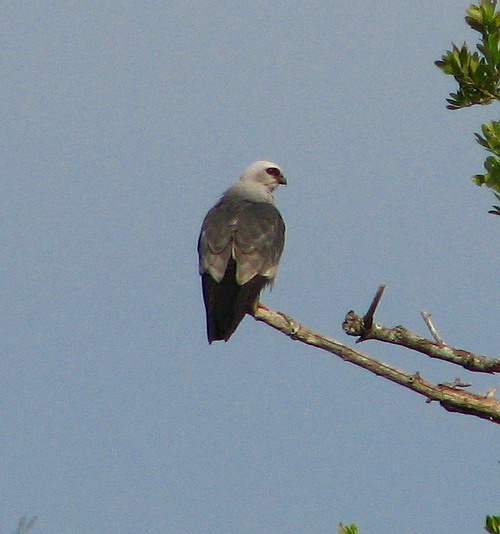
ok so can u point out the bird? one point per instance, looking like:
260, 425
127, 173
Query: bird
239, 248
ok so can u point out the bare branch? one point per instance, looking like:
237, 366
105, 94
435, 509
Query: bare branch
432, 329
399, 335
453, 400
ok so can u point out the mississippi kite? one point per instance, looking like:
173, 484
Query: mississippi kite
239, 247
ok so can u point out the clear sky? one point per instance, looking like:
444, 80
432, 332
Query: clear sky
122, 122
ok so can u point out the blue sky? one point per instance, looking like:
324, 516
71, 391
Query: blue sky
122, 123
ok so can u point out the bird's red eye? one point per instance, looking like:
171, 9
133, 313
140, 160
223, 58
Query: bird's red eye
274, 171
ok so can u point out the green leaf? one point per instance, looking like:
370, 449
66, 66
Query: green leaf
491, 137
478, 179
351, 529
492, 177
490, 48
478, 73
492, 523
474, 18
483, 18
496, 209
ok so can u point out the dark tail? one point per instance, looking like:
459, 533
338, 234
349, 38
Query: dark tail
226, 303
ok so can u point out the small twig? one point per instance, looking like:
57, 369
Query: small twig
490, 393
24, 525
426, 316
456, 384
368, 318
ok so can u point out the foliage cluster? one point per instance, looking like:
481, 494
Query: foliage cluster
492, 526
478, 77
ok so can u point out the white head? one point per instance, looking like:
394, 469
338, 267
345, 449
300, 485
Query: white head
259, 181
265, 172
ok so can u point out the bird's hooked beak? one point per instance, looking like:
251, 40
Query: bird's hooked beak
282, 180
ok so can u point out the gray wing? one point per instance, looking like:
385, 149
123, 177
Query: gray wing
239, 248
258, 242
252, 233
